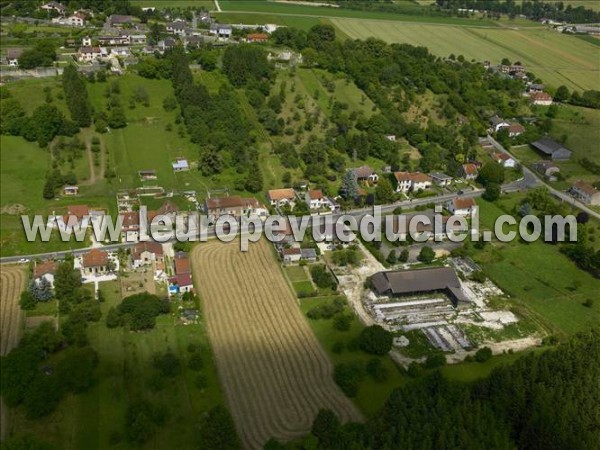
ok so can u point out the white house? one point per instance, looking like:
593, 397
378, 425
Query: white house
221, 31
315, 199
505, 159
90, 54
461, 206
586, 193
13, 55
540, 98
291, 255
497, 123
180, 165
47, 270
412, 181
177, 28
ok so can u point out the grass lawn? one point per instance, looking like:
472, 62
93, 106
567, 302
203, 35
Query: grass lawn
49, 308
371, 394
90, 420
303, 288
539, 279
555, 58
296, 273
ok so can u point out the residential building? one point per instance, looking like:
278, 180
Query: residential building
13, 55
505, 159
515, 129
177, 28
461, 206
282, 197
257, 37
366, 174
235, 206
221, 31
441, 179
291, 255
552, 149
130, 228
95, 262
540, 98
90, 54
469, 171
586, 193
86, 41
546, 168
315, 199
497, 123
309, 255
118, 21
412, 181
59, 8
147, 253
535, 87
46, 270
182, 281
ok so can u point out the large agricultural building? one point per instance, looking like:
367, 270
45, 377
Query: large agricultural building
421, 281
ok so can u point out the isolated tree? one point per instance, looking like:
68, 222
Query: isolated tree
426, 255
350, 185
403, 256
375, 340
562, 94
491, 172
384, 192
391, 258
210, 161
76, 96
492, 192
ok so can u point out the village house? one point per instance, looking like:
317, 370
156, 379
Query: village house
137, 39
147, 175
515, 129
94, 263
282, 197
511, 69
91, 54
309, 255
586, 193
12, 56
441, 179
552, 149
461, 206
120, 39
291, 255
365, 174
75, 20
182, 281
122, 52
180, 165
535, 87
505, 159
168, 209
221, 31
177, 27
412, 181
257, 37
235, 206
469, 171
46, 270
146, 253
315, 199
70, 191
166, 44
540, 98
130, 228
497, 123
54, 6
546, 168
118, 21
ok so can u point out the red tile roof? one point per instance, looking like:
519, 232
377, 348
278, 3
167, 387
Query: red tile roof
44, 268
540, 96
470, 169
149, 246
416, 177
182, 263
78, 211
281, 194
464, 203
95, 258
315, 194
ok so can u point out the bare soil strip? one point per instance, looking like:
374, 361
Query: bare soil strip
273, 370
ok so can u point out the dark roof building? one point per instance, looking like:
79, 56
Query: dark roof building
406, 282
552, 149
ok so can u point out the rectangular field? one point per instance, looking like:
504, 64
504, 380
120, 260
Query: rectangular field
554, 57
275, 374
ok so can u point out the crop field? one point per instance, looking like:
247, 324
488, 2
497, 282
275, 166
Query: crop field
12, 282
556, 58
273, 370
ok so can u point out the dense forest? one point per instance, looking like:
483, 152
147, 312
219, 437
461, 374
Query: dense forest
545, 400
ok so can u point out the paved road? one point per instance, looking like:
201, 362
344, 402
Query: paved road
531, 175
358, 213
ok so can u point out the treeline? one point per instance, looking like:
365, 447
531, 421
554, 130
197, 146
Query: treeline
542, 401
534, 10
217, 123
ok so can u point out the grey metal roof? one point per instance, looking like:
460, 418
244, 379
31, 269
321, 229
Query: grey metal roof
549, 146
402, 282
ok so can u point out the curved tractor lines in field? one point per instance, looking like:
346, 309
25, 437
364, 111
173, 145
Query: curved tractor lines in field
274, 372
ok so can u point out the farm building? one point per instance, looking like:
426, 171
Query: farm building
70, 190
552, 149
180, 165
586, 193
147, 175
546, 168
420, 281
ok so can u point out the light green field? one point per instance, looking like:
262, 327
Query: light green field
304, 23
125, 366
556, 58
207, 4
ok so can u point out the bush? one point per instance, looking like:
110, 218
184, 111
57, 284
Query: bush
435, 361
375, 340
322, 277
195, 362
377, 370
342, 322
426, 255
200, 381
483, 354
167, 364
326, 310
